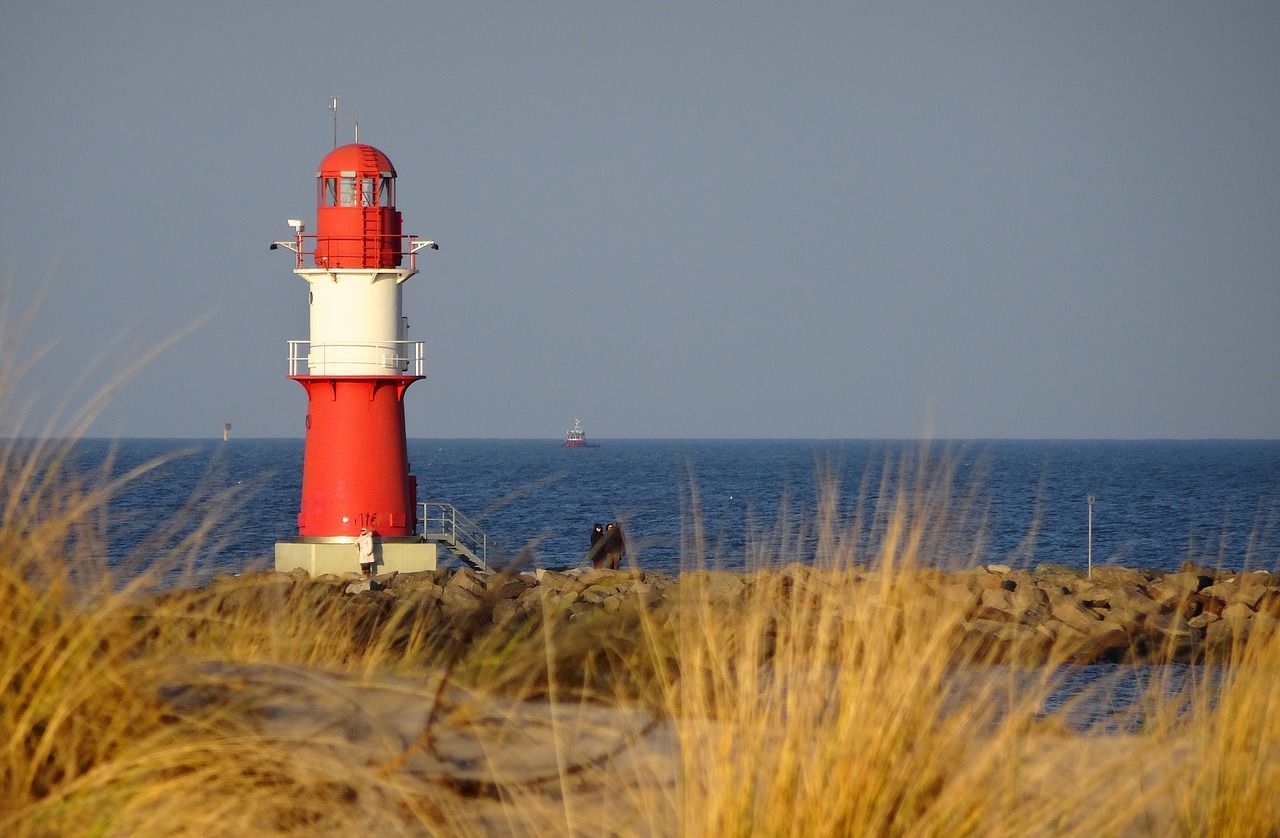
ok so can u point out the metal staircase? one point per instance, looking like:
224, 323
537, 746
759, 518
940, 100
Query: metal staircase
444, 524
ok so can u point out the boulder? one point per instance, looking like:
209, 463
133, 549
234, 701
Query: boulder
1127, 617
998, 599
1028, 607
1201, 621
1269, 603
605, 576
505, 610
1208, 574
983, 581
1124, 597
539, 599
506, 587
1187, 581
423, 591
1176, 585
1028, 597
1053, 587
1247, 589
1190, 605
412, 581
372, 583
383, 598
532, 598
1237, 612
1058, 631
1032, 616
466, 579
554, 581
1047, 569
1116, 576
1085, 588
458, 600
1221, 635
597, 594
1067, 609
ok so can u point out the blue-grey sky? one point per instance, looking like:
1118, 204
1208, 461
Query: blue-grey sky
671, 219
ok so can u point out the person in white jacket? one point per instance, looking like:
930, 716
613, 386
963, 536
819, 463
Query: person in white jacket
364, 550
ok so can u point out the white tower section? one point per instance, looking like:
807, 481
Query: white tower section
357, 325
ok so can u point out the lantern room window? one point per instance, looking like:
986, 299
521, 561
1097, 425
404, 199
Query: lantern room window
351, 189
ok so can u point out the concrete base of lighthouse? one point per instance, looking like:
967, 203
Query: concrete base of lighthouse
339, 557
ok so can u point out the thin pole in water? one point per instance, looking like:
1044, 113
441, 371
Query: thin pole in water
1090, 536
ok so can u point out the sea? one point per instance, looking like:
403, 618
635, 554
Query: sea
1155, 504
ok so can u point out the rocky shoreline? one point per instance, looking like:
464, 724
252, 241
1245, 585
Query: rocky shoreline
1120, 615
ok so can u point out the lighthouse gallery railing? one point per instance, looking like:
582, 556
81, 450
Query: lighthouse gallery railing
396, 357
401, 245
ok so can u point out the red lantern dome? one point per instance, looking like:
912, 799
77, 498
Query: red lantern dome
357, 224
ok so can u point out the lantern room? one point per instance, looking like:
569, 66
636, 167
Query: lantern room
357, 224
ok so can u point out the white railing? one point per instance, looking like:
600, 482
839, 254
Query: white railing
383, 357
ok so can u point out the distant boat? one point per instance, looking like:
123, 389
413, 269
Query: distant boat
576, 437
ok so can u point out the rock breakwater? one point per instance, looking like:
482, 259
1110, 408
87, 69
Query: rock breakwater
995, 612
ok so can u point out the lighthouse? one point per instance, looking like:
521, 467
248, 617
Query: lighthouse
355, 368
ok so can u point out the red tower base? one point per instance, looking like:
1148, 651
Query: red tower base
355, 470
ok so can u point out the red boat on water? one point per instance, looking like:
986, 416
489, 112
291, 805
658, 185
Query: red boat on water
576, 437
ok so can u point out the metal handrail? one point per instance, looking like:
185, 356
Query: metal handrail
453, 527
298, 245
413, 357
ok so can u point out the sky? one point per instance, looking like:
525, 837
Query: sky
685, 220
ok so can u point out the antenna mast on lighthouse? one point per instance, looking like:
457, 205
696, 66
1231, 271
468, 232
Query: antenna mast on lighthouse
333, 106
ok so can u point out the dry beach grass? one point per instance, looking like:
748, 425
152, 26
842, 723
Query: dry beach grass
809, 703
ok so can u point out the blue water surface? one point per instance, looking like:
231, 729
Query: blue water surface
1157, 504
